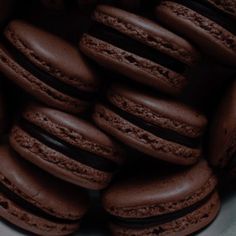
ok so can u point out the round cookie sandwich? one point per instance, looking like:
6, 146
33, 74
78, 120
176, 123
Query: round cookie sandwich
47, 67
139, 49
179, 203
36, 202
66, 146
159, 127
222, 140
207, 26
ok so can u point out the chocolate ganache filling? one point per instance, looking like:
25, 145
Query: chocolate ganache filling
211, 12
45, 77
29, 207
84, 157
120, 40
160, 132
137, 223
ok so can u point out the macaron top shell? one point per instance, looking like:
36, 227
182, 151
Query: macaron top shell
52, 196
52, 54
222, 144
162, 192
160, 111
147, 32
74, 131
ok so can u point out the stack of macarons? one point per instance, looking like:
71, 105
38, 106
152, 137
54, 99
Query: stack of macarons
36, 202
108, 116
51, 131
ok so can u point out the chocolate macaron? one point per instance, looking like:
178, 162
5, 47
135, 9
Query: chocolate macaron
159, 127
139, 49
222, 140
36, 202
204, 24
178, 203
47, 67
66, 146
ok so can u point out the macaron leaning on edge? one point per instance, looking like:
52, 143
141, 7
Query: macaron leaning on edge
176, 203
66, 146
47, 67
139, 49
203, 24
36, 202
159, 127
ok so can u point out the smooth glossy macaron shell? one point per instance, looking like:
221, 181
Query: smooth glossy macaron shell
139, 49
47, 67
222, 141
35, 201
178, 203
66, 146
203, 24
159, 127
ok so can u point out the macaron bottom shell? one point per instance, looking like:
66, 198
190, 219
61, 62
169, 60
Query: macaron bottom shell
17, 215
185, 225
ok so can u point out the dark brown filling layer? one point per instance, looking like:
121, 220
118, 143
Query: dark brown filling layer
160, 132
128, 44
84, 157
159, 220
45, 77
206, 9
29, 207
